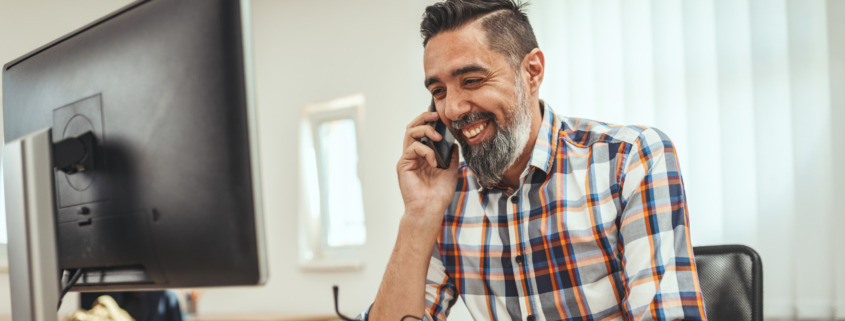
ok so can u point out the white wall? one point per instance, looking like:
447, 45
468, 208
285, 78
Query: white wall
308, 51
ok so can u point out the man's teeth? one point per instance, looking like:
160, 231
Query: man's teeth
473, 132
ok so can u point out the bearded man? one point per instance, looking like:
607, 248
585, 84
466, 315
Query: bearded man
550, 217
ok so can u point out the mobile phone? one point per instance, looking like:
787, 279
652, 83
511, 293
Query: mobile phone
443, 148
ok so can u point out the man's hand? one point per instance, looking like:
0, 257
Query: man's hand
427, 191
425, 188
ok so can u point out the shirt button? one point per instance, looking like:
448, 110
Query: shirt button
515, 199
531, 317
519, 259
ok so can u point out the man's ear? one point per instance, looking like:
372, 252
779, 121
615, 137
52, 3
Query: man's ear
535, 64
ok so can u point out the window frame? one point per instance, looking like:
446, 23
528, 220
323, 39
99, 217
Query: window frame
314, 252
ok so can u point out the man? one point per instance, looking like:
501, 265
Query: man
550, 217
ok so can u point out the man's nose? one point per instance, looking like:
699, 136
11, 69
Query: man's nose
456, 107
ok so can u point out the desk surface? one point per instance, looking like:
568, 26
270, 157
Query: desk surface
262, 317
244, 317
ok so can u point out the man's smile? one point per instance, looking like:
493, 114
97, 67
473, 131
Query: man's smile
473, 129
474, 132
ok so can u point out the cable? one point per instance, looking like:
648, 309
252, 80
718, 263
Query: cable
336, 310
70, 282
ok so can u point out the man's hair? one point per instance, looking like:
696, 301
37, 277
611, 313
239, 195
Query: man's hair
505, 25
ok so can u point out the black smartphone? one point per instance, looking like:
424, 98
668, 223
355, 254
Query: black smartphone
443, 148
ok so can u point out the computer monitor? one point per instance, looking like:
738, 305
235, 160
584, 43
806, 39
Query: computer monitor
173, 198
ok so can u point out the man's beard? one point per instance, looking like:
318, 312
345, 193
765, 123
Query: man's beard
490, 158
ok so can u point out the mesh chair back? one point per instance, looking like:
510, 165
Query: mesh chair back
731, 278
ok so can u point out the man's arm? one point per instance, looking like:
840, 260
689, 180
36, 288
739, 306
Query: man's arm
659, 270
402, 290
426, 192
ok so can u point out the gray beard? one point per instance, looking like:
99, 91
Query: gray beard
491, 158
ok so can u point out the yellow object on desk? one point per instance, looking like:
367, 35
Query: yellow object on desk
105, 309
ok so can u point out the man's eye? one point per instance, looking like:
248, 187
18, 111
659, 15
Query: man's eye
472, 81
437, 93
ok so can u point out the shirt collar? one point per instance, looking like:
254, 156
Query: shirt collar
547, 139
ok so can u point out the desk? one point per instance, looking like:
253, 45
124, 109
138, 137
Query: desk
261, 317
243, 317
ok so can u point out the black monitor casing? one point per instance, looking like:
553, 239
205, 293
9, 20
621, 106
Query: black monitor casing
174, 198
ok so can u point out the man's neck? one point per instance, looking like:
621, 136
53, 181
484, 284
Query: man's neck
512, 175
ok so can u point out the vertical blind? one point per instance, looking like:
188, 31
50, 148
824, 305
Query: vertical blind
752, 93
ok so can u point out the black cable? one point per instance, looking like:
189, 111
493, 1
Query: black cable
70, 282
337, 311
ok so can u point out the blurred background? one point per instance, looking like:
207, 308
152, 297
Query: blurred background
752, 92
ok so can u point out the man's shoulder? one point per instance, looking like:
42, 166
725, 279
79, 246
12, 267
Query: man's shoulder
585, 133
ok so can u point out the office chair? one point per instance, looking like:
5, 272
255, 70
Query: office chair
731, 278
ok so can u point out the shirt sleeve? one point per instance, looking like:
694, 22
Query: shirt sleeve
440, 291
660, 277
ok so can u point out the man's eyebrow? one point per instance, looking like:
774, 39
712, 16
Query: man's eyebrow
458, 72
468, 69
430, 81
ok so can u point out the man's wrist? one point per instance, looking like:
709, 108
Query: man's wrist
423, 217
420, 229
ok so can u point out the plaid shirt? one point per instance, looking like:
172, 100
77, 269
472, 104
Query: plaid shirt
597, 230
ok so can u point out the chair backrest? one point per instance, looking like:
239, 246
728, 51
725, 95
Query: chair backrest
731, 278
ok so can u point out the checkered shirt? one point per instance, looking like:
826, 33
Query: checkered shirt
597, 230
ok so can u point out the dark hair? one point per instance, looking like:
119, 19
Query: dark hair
504, 23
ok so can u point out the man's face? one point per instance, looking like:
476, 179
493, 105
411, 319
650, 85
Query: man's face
480, 97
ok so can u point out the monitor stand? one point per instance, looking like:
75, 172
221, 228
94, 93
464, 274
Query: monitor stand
31, 223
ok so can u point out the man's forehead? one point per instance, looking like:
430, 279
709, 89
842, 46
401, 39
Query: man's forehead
457, 49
